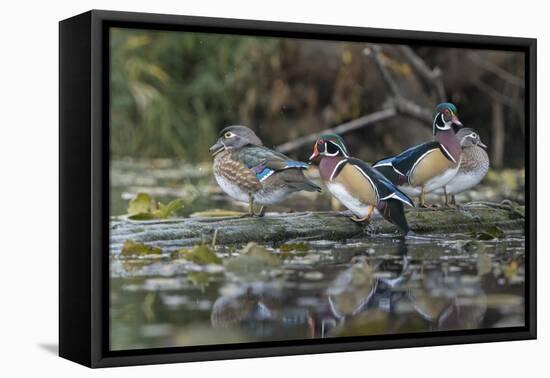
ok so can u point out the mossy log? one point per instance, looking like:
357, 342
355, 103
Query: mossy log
277, 228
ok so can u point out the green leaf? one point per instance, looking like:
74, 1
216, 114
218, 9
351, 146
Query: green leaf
141, 204
144, 207
168, 210
201, 254
132, 248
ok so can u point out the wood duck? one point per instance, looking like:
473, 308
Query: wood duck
249, 172
473, 166
422, 169
356, 185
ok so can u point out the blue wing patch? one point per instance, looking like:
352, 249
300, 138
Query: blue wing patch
296, 164
264, 173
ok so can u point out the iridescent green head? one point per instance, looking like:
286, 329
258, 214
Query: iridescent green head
329, 145
446, 117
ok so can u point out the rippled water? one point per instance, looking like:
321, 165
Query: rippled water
378, 285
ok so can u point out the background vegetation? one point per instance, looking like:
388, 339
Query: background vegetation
172, 92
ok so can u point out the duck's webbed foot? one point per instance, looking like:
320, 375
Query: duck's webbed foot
251, 212
422, 201
260, 213
360, 220
366, 218
452, 203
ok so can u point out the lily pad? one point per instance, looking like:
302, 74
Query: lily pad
201, 254
131, 248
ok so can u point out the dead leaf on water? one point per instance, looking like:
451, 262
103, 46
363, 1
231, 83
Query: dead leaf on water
511, 270
144, 207
201, 254
132, 248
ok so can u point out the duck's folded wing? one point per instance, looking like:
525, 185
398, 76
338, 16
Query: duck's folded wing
406, 160
259, 157
385, 189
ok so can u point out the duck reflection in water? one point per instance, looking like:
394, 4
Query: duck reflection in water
258, 310
375, 295
382, 296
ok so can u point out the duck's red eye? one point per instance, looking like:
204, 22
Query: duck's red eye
320, 142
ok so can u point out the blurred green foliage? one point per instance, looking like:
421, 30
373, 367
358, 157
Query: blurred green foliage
172, 91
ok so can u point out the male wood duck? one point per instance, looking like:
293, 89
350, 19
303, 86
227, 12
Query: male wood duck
249, 172
356, 185
422, 169
473, 166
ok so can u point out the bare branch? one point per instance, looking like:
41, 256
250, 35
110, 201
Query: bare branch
430, 76
375, 52
409, 108
496, 95
495, 69
343, 128
403, 105
398, 104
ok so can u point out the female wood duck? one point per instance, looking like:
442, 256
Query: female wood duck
422, 169
473, 166
249, 172
356, 185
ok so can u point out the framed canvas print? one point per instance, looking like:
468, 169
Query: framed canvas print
234, 188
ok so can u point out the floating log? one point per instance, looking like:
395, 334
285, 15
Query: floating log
278, 228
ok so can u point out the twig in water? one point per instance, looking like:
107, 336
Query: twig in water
214, 238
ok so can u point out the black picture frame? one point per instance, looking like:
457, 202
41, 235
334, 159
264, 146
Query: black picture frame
84, 188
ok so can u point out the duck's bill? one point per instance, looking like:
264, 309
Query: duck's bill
216, 148
315, 154
456, 122
481, 144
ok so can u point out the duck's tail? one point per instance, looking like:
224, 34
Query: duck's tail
311, 187
296, 179
394, 212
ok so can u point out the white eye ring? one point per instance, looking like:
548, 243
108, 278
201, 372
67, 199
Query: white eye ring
228, 135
